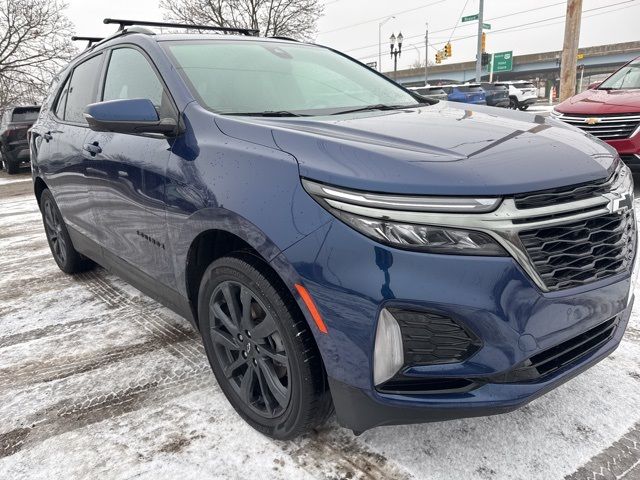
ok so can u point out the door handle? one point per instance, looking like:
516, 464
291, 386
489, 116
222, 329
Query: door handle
92, 148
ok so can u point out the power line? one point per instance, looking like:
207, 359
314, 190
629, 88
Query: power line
536, 23
458, 21
449, 28
380, 18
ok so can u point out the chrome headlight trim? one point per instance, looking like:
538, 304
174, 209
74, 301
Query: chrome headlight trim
402, 202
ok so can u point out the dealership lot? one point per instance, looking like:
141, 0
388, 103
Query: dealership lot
98, 380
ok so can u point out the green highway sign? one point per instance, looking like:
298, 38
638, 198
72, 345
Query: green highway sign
502, 62
470, 18
486, 26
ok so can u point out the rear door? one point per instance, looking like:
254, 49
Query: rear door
127, 171
64, 133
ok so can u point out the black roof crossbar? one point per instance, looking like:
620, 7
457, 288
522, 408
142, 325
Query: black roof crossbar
91, 40
128, 23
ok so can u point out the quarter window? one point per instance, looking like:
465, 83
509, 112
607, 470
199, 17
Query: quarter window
82, 89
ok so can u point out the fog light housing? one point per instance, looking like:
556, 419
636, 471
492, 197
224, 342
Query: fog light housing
388, 353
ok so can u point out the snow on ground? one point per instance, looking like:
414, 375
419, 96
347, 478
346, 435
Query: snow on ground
99, 381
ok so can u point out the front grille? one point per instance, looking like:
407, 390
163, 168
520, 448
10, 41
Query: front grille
555, 358
429, 338
607, 127
632, 161
572, 193
578, 253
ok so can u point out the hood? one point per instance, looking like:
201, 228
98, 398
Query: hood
602, 102
442, 149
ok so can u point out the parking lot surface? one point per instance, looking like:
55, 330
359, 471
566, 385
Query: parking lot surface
99, 381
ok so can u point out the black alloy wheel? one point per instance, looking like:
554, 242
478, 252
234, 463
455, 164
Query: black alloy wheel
261, 348
249, 349
53, 227
62, 249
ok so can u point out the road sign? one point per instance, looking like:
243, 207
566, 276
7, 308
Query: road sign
470, 18
486, 26
502, 62
373, 65
580, 56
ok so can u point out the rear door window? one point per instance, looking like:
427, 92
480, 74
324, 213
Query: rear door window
82, 89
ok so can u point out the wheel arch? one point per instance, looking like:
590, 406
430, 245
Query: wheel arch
39, 186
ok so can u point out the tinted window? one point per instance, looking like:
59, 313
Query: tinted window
524, 85
82, 89
25, 115
256, 76
131, 76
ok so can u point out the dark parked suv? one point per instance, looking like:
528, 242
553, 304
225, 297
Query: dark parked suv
14, 148
496, 95
337, 241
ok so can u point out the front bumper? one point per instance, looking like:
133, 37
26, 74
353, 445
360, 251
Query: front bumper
351, 278
361, 410
528, 101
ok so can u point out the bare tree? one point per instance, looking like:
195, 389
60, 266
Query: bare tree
34, 45
289, 18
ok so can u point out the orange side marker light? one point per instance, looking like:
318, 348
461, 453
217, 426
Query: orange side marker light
308, 301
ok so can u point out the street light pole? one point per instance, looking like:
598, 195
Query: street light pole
479, 54
395, 52
380, 25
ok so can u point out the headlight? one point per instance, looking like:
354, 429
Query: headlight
378, 222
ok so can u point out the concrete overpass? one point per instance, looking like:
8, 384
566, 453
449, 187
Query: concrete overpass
536, 66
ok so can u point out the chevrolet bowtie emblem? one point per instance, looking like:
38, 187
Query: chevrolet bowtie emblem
621, 203
591, 121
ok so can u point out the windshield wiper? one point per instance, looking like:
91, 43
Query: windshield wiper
380, 106
270, 113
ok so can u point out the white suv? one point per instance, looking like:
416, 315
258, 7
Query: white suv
521, 94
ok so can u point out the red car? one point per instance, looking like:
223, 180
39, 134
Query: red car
610, 111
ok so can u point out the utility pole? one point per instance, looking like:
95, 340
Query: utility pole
479, 54
569, 59
426, 56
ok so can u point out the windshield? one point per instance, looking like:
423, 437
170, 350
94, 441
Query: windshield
253, 77
628, 77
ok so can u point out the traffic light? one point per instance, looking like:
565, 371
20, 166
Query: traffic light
447, 50
438, 57
486, 58
484, 42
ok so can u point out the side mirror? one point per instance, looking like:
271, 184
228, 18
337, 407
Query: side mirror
593, 86
128, 116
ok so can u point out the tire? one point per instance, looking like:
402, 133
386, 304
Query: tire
12, 167
65, 255
523, 107
513, 103
267, 364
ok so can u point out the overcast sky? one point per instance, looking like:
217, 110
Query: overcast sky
524, 26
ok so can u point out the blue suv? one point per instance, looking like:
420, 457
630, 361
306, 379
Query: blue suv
339, 242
